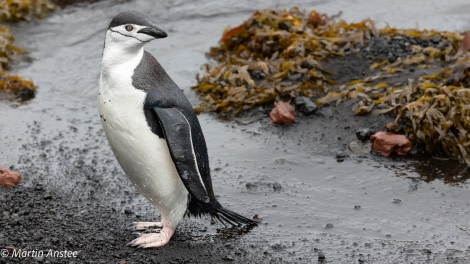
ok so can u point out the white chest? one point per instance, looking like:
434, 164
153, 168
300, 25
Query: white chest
122, 116
144, 156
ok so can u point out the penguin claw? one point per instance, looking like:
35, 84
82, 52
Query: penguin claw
149, 240
130, 244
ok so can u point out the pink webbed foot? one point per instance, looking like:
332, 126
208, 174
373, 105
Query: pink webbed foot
152, 240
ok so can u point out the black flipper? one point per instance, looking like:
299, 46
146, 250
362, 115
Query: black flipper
177, 132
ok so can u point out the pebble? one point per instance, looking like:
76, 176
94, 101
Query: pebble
360, 147
305, 105
229, 245
436, 39
251, 185
277, 186
341, 156
282, 113
306, 65
364, 133
47, 196
229, 258
6, 215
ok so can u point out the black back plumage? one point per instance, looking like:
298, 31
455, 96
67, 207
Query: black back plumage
163, 93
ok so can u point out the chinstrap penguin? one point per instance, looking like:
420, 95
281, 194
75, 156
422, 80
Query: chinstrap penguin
154, 132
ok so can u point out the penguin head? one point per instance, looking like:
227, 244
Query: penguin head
131, 30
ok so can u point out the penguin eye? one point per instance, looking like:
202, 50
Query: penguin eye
129, 28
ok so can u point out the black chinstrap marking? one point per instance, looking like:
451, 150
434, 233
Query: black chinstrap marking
143, 41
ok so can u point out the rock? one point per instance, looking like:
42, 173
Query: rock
47, 196
9, 178
257, 74
277, 186
306, 65
282, 113
6, 215
251, 185
341, 156
229, 258
360, 148
464, 45
436, 39
387, 143
305, 105
364, 134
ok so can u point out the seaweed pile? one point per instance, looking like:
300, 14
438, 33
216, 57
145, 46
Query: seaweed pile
17, 10
436, 111
279, 55
16, 86
11, 84
272, 54
12, 11
8, 51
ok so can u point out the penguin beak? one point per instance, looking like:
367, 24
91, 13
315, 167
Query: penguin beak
154, 32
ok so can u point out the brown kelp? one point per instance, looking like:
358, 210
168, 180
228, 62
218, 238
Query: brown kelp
16, 10
10, 83
437, 114
272, 54
17, 86
8, 51
279, 55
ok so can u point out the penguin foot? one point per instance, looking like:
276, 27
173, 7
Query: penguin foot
153, 226
153, 240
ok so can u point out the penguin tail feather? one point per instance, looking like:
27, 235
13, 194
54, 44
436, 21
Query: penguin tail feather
218, 213
226, 216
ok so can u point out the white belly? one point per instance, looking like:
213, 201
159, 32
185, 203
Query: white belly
143, 156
